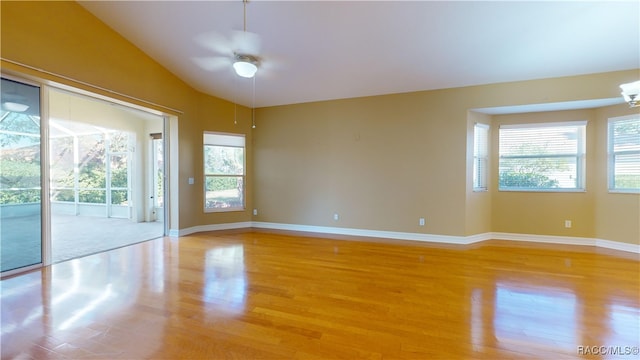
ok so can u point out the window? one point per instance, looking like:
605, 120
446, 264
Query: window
480, 156
542, 157
624, 154
90, 165
224, 174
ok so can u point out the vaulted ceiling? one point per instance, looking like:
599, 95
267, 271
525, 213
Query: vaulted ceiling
322, 50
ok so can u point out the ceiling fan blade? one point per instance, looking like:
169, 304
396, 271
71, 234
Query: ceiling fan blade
271, 65
213, 63
244, 42
215, 42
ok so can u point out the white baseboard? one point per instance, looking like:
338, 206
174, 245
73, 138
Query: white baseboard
548, 239
569, 240
364, 232
447, 239
212, 227
616, 245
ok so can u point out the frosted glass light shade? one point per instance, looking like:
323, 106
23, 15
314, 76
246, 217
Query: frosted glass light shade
245, 68
631, 93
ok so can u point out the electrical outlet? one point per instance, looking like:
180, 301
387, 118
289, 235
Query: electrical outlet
421, 222
255, 212
191, 181
567, 224
336, 217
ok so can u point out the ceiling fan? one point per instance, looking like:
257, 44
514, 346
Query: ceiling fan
240, 51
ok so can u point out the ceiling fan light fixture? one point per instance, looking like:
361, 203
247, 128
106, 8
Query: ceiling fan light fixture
14, 106
245, 65
631, 93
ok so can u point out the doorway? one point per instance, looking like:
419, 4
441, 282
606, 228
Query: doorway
98, 160
105, 171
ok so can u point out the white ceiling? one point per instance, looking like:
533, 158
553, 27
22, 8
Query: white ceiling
322, 50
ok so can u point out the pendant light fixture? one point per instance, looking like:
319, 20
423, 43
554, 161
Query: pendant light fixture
631, 93
245, 65
11, 97
15, 106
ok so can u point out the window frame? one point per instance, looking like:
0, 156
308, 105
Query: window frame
611, 155
480, 177
580, 156
228, 140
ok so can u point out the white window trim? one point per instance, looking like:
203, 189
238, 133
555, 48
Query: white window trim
484, 175
611, 156
545, 124
229, 140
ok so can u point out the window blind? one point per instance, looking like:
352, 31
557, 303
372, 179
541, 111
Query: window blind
542, 156
624, 153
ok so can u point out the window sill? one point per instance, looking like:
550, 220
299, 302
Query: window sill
545, 190
207, 211
618, 191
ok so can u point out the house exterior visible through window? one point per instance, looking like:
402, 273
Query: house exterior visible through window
624, 154
480, 156
224, 172
542, 157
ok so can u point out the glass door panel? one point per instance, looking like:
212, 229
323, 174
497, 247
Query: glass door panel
119, 186
20, 176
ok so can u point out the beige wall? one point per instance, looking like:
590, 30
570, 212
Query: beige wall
379, 162
478, 206
596, 213
617, 215
382, 162
369, 159
64, 39
544, 213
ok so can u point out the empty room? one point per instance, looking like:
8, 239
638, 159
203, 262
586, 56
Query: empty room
320, 179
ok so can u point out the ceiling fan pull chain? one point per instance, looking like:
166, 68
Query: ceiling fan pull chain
253, 105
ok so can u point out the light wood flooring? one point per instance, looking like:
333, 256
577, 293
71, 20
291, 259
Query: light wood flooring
268, 295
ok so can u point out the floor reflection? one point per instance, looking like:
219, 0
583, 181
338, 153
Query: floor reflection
535, 316
225, 280
85, 290
21, 305
73, 297
624, 325
520, 317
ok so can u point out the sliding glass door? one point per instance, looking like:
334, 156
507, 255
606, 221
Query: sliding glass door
96, 196
20, 176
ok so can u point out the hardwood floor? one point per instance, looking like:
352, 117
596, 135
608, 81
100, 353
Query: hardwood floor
259, 295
